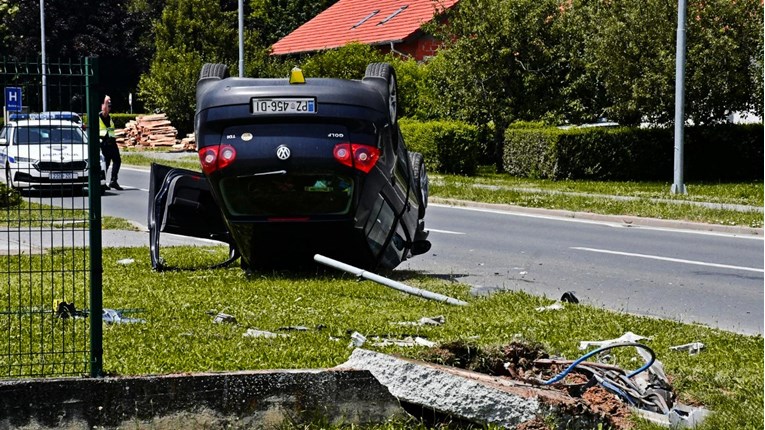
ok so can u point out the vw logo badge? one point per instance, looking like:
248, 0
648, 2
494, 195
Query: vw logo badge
282, 152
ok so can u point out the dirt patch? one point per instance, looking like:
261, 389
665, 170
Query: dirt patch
533, 424
519, 361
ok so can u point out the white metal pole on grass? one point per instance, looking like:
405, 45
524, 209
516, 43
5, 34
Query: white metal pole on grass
241, 38
678, 187
387, 282
42, 48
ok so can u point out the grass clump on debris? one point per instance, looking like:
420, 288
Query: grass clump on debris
311, 316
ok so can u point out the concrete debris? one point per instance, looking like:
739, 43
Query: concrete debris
679, 417
626, 337
467, 395
111, 316
693, 348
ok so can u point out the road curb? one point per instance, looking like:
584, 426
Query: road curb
618, 219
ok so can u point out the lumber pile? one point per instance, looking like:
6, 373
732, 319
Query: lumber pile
147, 131
188, 143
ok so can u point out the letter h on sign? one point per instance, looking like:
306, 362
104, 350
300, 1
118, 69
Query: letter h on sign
13, 99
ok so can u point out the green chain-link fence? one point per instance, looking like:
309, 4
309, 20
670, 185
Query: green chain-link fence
50, 243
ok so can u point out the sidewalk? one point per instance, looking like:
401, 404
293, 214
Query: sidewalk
36, 240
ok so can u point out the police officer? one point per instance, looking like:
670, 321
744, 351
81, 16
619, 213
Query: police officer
108, 142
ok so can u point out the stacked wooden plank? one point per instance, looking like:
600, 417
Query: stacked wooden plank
147, 131
188, 143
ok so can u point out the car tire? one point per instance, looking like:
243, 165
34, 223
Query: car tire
214, 70
210, 73
386, 73
421, 180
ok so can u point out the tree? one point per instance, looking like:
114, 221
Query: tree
500, 64
189, 34
630, 48
275, 19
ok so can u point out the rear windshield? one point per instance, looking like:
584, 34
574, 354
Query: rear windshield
42, 135
288, 195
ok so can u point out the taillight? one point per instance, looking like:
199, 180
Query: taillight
216, 157
360, 157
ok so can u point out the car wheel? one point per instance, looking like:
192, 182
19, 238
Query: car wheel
214, 70
420, 179
386, 72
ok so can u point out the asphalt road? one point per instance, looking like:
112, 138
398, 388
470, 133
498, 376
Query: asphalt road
677, 274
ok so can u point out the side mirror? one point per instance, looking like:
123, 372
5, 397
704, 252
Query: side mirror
3, 142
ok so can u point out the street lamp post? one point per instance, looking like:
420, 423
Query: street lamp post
42, 48
241, 38
678, 187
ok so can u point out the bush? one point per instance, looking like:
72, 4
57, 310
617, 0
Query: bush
8, 196
447, 146
724, 152
120, 119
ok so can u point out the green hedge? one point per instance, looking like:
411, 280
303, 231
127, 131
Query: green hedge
722, 152
120, 119
447, 146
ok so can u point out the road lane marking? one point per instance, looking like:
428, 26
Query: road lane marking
613, 224
444, 231
674, 260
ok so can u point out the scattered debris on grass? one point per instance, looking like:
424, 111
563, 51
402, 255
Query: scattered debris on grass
693, 348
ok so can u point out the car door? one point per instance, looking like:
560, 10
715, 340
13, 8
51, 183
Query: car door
180, 202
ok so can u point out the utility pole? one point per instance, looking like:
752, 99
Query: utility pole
241, 38
678, 187
42, 48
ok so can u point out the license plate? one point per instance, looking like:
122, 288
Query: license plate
282, 105
62, 175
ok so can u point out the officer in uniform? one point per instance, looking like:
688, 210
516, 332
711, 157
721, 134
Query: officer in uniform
108, 142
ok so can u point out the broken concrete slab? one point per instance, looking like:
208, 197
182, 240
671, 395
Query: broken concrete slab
472, 396
251, 399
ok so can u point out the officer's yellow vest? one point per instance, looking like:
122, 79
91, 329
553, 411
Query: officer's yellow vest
103, 129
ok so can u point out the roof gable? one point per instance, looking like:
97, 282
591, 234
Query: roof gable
369, 22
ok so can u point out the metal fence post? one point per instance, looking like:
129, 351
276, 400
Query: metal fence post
94, 201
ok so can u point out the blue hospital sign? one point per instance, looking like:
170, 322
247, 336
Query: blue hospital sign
13, 99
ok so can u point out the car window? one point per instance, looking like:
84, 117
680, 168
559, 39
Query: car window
41, 135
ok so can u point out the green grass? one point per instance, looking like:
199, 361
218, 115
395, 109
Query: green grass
488, 187
179, 335
144, 158
647, 199
29, 214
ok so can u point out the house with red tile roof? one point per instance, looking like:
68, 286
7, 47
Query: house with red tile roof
391, 25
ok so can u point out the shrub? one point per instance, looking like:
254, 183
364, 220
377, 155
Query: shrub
8, 196
447, 146
120, 119
723, 152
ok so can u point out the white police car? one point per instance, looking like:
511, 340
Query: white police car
46, 153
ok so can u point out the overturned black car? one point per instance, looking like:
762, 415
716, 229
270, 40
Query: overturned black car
296, 167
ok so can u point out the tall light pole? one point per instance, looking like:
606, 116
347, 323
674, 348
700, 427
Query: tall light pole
241, 38
42, 48
678, 187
